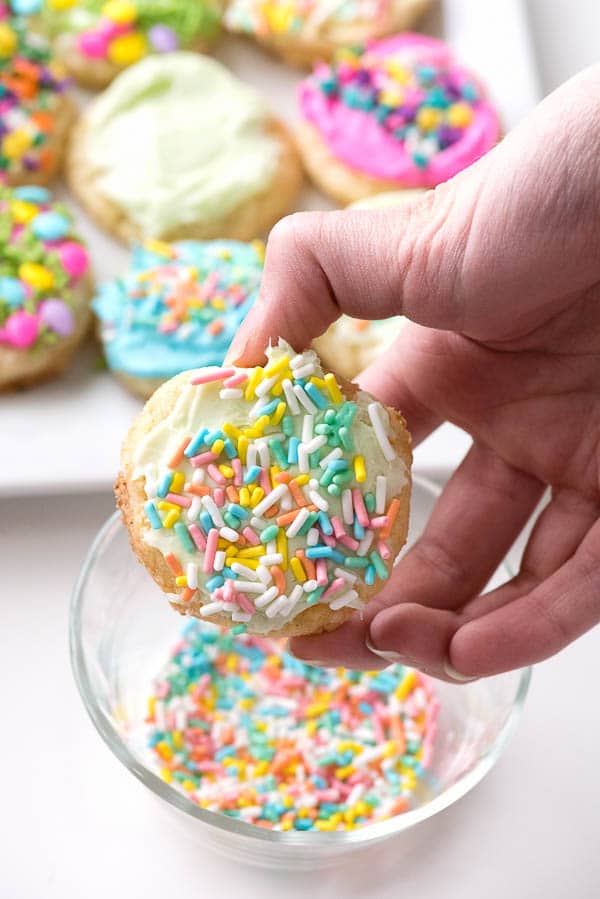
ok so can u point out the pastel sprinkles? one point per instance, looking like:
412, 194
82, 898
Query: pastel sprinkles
291, 501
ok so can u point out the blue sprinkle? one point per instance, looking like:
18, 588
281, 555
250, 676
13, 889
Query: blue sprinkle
153, 516
252, 474
370, 575
195, 444
229, 572
184, 537
165, 484
359, 531
293, 445
206, 522
324, 552
316, 395
215, 582
230, 449
30, 193
270, 407
325, 523
211, 436
239, 511
338, 465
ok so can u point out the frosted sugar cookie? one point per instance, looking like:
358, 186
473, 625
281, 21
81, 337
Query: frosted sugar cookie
402, 113
178, 307
44, 287
274, 497
97, 39
303, 32
176, 148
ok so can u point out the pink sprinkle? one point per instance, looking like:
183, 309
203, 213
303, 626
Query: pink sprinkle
236, 379
338, 527
219, 497
359, 507
178, 500
244, 603
197, 536
209, 285
334, 587
238, 478
321, 567
350, 542
210, 767
228, 591
216, 475
201, 686
265, 482
379, 522
215, 374
203, 459
250, 536
328, 539
211, 548
384, 550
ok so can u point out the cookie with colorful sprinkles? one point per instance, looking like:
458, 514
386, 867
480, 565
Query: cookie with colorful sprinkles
179, 148
400, 113
36, 109
45, 287
304, 32
97, 39
178, 306
275, 497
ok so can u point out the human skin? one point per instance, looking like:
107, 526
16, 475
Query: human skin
499, 272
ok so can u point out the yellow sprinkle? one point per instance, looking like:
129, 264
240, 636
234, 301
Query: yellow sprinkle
286, 825
188, 785
217, 447
274, 470
428, 118
166, 775
332, 386
273, 660
324, 825
165, 506
181, 580
275, 367
393, 97
16, 143
161, 247
251, 552
248, 561
296, 566
37, 276
252, 383
252, 433
460, 115
244, 497
170, 518
242, 448
177, 482
361, 808
399, 73
282, 547
389, 750
346, 745
317, 708
164, 751
177, 739
230, 551
302, 479
336, 818
277, 389
406, 685
231, 662
230, 430
218, 303
247, 703
226, 471
278, 414
151, 706
256, 496
311, 728
359, 469
346, 771
321, 383
261, 423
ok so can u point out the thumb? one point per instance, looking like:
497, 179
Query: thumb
487, 254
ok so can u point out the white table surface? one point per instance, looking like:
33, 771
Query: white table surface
74, 824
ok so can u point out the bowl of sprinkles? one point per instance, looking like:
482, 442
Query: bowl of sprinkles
258, 755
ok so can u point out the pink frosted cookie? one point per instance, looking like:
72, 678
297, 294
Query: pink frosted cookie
403, 113
45, 287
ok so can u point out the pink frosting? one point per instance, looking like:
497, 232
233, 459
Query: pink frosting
356, 138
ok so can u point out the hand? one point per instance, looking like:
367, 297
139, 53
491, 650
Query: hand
499, 272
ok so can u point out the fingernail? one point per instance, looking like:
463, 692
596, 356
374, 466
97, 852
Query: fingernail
456, 675
386, 654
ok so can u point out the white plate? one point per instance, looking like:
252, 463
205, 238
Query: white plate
64, 436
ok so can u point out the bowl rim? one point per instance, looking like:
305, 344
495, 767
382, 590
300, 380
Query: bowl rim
364, 835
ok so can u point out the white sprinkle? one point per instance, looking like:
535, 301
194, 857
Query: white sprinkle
270, 499
244, 617
258, 406
365, 544
297, 361
276, 607
345, 599
305, 400
374, 410
307, 428
293, 404
347, 507
180, 718
334, 454
309, 586
312, 537
212, 509
315, 444
249, 586
263, 574
259, 524
194, 509
346, 575
265, 598
304, 371
287, 503
318, 500
211, 607
251, 455
271, 559
239, 568
229, 534
264, 386
380, 494
297, 522
230, 607
219, 560
263, 452
355, 795
198, 476
303, 460
192, 575
151, 483
295, 594
231, 393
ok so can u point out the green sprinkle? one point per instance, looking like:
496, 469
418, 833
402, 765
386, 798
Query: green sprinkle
356, 562
287, 425
183, 536
327, 477
315, 596
379, 565
230, 519
369, 502
334, 490
343, 478
238, 629
279, 453
346, 439
308, 524
269, 533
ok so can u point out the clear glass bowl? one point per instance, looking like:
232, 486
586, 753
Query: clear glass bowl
121, 632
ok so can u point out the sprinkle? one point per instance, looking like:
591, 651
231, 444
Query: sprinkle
380, 494
173, 564
183, 536
231, 393
379, 565
270, 500
304, 399
207, 375
332, 387
374, 410
153, 516
359, 469
290, 397
344, 600
177, 456
298, 570
211, 547
299, 520
392, 514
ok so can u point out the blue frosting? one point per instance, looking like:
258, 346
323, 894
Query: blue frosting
178, 307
